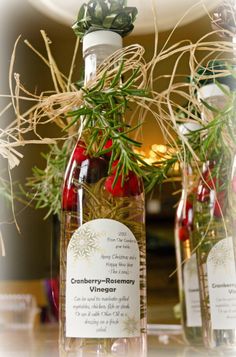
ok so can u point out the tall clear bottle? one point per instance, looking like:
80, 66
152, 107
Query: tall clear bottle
213, 243
186, 260
232, 198
103, 253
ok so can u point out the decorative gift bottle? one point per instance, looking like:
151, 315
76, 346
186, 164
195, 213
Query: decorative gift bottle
213, 242
186, 260
103, 259
232, 196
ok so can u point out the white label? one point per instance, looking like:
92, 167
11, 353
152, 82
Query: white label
102, 281
191, 290
222, 285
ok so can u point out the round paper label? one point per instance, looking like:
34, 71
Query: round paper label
102, 281
222, 285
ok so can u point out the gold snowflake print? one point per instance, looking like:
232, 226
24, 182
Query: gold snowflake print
84, 243
221, 257
131, 325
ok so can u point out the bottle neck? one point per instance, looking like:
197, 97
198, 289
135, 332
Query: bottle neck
215, 96
93, 57
189, 177
218, 102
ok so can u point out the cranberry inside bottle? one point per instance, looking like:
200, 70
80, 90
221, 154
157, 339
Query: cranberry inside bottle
81, 169
130, 185
185, 221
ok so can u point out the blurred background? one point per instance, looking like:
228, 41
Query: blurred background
31, 257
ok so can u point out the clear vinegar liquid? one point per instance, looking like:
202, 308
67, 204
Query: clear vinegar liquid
93, 202
219, 339
192, 334
190, 316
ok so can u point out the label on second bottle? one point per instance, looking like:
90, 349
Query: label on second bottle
222, 285
191, 290
102, 281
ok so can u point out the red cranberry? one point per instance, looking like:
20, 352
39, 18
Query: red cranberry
69, 198
79, 154
118, 190
132, 185
183, 233
135, 184
203, 192
187, 220
108, 145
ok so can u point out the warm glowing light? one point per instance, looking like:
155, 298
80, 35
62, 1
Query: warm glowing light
150, 160
157, 154
176, 167
152, 154
140, 152
159, 148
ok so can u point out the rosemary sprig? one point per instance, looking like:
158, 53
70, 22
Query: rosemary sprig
208, 143
102, 119
45, 184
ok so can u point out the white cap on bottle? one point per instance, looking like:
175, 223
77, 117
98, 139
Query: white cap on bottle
187, 128
102, 37
211, 90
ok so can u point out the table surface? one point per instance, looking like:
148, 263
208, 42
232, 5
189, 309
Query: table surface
163, 341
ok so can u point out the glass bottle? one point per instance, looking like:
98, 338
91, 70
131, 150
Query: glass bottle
232, 200
103, 253
187, 266
214, 246
186, 260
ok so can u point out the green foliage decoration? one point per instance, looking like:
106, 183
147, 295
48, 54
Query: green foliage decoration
44, 186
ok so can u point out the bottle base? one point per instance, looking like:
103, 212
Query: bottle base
123, 347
